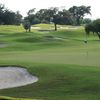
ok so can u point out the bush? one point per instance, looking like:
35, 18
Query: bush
27, 25
93, 27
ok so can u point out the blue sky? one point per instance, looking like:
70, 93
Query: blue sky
24, 5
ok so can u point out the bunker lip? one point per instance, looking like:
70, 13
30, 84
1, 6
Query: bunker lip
11, 77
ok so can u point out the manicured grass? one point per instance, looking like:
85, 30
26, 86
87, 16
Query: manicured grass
68, 69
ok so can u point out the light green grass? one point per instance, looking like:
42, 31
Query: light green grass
68, 69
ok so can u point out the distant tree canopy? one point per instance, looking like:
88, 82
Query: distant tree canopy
93, 27
79, 12
8, 17
86, 21
72, 16
63, 18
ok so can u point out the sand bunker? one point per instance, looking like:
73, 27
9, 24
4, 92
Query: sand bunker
72, 28
2, 45
36, 27
15, 77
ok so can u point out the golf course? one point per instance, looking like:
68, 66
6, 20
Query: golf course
67, 67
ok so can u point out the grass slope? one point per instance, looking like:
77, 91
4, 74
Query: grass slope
68, 69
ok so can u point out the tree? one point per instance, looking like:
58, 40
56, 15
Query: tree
79, 12
27, 25
2, 8
54, 15
96, 24
93, 27
62, 18
18, 18
89, 28
8, 17
31, 11
41, 14
32, 17
86, 21
45, 15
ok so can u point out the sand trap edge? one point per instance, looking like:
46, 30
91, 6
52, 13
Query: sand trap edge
13, 76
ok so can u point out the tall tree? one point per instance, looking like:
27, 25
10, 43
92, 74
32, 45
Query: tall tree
79, 12
18, 18
93, 27
31, 11
31, 17
63, 18
54, 15
2, 8
45, 15
9, 17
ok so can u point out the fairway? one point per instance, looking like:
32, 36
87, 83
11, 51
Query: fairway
67, 68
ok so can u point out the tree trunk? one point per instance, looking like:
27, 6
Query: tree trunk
26, 30
98, 35
78, 20
30, 29
55, 26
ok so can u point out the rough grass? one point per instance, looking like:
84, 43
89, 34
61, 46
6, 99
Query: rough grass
68, 69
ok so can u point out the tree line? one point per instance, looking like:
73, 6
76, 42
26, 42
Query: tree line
8, 17
73, 16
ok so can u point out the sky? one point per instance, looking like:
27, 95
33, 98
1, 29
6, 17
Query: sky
24, 5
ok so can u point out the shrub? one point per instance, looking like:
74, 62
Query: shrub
27, 25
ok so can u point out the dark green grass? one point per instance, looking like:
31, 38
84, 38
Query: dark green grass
68, 69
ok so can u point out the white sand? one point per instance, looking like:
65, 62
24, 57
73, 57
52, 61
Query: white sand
15, 77
72, 28
35, 27
2, 45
